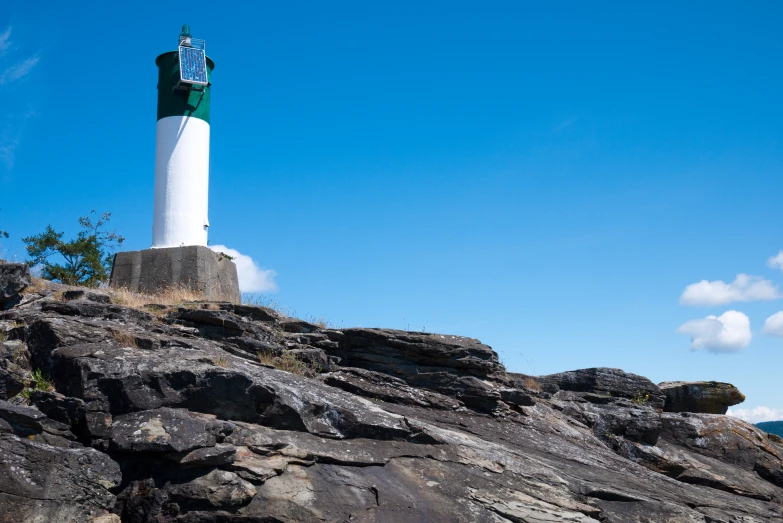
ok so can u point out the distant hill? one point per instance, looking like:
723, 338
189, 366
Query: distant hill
773, 427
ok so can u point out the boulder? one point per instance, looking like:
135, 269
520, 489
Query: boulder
166, 430
610, 383
219, 488
31, 423
83, 294
252, 312
408, 354
460, 367
709, 397
14, 278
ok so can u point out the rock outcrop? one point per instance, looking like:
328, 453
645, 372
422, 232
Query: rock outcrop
178, 414
709, 397
14, 278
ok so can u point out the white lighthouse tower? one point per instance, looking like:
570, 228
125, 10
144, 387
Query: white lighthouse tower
179, 256
182, 145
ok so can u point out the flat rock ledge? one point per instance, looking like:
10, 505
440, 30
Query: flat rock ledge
709, 397
191, 414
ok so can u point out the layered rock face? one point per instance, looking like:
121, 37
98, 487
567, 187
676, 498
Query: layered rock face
168, 414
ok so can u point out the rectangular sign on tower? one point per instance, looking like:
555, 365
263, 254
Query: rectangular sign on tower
192, 65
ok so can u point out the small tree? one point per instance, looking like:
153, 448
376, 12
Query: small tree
87, 259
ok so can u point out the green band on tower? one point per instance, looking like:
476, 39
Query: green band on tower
176, 102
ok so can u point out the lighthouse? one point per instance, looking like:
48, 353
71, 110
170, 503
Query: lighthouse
179, 256
180, 215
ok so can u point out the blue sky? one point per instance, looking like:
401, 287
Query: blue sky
547, 177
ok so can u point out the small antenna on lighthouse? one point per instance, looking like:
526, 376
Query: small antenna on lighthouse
185, 36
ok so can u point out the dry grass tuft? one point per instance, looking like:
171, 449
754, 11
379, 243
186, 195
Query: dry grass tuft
38, 285
267, 358
288, 362
321, 322
170, 296
177, 295
124, 338
221, 362
267, 301
127, 298
532, 384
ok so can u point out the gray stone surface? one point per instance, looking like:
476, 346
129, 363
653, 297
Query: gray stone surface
14, 278
603, 385
186, 425
196, 267
41, 482
13, 357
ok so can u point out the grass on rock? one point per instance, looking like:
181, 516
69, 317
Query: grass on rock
38, 285
124, 338
38, 381
532, 384
170, 296
289, 363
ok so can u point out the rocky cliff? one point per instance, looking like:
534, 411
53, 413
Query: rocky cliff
211, 412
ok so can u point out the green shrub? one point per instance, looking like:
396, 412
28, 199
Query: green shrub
86, 260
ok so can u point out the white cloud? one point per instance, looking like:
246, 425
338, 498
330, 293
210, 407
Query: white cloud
757, 414
776, 262
743, 288
20, 70
773, 326
5, 41
729, 332
252, 278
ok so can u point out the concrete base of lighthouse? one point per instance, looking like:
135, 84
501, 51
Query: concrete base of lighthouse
195, 267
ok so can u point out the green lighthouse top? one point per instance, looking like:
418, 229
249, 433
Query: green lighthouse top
184, 79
